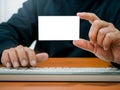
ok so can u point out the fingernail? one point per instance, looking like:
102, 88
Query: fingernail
33, 62
8, 65
15, 64
24, 62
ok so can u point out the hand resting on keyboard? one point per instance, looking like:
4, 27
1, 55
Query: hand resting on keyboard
21, 56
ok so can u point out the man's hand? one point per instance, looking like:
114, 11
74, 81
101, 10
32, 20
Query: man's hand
104, 39
21, 57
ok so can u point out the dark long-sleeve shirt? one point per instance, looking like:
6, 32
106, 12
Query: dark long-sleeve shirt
22, 28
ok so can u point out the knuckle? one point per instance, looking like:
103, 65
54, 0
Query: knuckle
93, 14
20, 46
102, 31
31, 56
11, 49
110, 24
5, 51
31, 52
109, 35
92, 36
97, 22
28, 49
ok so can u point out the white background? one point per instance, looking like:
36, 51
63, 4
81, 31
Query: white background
8, 8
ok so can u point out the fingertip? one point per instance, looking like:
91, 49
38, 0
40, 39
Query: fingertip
42, 57
33, 63
16, 64
24, 62
83, 44
78, 13
45, 55
75, 42
8, 65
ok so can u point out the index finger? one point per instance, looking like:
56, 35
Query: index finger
88, 16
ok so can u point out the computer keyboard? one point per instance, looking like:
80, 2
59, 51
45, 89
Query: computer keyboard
60, 74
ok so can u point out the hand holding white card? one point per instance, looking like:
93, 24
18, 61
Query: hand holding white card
59, 28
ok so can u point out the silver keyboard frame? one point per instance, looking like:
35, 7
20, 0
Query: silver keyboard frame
52, 74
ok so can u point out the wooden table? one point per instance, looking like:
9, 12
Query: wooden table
65, 62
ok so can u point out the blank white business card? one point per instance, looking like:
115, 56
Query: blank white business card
59, 28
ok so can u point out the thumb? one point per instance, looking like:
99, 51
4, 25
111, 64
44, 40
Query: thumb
84, 44
42, 57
